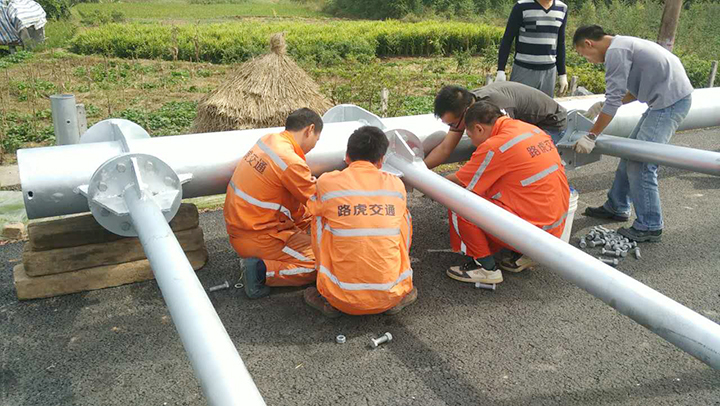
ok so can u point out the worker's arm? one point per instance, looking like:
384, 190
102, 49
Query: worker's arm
481, 172
441, 153
298, 180
511, 31
315, 208
617, 70
604, 120
560, 59
629, 98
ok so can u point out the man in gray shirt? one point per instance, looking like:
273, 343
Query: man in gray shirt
519, 101
635, 69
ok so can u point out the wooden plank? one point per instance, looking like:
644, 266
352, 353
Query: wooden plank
28, 287
50, 262
83, 230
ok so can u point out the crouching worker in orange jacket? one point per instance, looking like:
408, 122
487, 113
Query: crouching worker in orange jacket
265, 208
361, 234
516, 167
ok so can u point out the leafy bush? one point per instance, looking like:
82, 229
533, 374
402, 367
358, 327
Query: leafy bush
172, 118
96, 17
56, 9
384, 9
325, 44
12, 59
217, 1
698, 70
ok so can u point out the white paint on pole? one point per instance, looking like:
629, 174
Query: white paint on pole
81, 118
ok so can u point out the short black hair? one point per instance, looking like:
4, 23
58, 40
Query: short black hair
301, 118
454, 99
367, 143
591, 32
482, 112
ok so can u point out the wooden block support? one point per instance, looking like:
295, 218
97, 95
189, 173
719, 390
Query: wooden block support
83, 230
49, 262
28, 287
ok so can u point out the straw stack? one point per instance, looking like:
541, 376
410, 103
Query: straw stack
262, 93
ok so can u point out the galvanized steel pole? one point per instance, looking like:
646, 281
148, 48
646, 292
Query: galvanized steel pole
696, 160
688, 330
222, 375
136, 194
64, 114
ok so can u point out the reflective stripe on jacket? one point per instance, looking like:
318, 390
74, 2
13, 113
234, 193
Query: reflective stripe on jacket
362, 233
270, 188
519, 168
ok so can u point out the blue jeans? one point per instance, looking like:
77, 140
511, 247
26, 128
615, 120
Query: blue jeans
636, 182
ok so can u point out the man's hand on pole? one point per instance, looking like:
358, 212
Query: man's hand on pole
586, 144
595, 110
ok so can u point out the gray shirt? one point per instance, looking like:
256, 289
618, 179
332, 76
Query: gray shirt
646, 70
525, 103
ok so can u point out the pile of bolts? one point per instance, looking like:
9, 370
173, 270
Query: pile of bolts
613, 245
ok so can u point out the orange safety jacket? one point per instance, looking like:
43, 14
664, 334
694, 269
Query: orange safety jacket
519, 169
269, 189
361, 238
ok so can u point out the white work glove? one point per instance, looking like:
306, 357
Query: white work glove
595, 110
500, 76
562, 81
586, 144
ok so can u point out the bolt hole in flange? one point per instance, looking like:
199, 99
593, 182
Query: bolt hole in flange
30, 195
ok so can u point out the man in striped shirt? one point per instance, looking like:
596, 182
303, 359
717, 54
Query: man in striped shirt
538, 29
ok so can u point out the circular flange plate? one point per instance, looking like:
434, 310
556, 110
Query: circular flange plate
412, 140
103, 131
111, 179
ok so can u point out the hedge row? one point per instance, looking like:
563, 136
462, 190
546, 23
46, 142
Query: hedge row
324, 42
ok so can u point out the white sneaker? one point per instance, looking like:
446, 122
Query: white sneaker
472, 272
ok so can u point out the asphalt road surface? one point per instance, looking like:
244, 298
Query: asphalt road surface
537, 340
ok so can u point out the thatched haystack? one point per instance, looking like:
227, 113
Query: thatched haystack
262, 93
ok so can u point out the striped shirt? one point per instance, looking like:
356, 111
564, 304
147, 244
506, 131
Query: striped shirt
539, 36
16, 15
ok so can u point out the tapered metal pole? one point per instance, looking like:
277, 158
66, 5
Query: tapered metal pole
696, 160
223, 377
688, 330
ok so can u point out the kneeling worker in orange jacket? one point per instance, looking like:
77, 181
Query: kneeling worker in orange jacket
517, 167
361, 234
265, 207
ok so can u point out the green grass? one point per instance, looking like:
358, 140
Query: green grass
205, 12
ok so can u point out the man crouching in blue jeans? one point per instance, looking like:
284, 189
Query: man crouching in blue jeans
635, 69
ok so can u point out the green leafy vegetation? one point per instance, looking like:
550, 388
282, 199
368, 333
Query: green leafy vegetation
193, 10
325, 43
12, 59
128, 59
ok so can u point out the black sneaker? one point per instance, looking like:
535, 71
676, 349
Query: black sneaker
640, 236
254, 286
472, 272
602, 213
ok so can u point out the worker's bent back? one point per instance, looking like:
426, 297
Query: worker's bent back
361, 234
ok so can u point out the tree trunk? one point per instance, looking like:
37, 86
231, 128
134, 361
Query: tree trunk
668, 26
